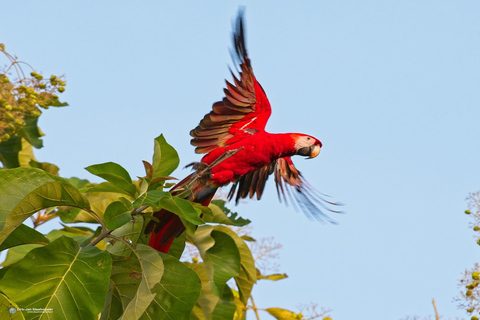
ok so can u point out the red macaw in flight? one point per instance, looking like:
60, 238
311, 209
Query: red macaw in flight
240, 151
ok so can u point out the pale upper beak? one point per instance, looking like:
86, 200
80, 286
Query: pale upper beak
311, 151
314, 151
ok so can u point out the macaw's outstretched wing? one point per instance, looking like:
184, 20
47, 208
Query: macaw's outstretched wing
243, 111
291, 187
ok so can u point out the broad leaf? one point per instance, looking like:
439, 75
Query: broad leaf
152, 199
117, 214
45, 166
124, 281
114, 173
9, 309
9, 152
62, 277
225, 308
152, 270
220, 255
185, 210
81, 235
99, 201
221, 214
178, 246
17, 253
25, 191
165, 158
132, 232
31, 132
248, 273
177, 292
212, 306
23, 234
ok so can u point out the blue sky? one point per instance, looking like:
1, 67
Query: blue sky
391, 88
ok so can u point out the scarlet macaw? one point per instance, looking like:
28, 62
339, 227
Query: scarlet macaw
240, 151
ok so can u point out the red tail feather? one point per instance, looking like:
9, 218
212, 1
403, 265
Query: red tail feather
169, 225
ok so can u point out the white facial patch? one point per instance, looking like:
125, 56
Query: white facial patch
304, 141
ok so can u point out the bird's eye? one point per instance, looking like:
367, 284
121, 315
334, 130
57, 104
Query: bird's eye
308, 138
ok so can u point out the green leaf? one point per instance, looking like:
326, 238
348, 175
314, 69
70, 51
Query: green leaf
9, 152
273, 277
283, 314
70, 281
221, 214
78, 183
23, 234
81, 235
99, 201
248, 273
152, 199
114, 173
45, 166
184, 209
178, 246
220, 255
31, 132
177, 292
124, 282
132, 232
225, 308
165, 158
152, 271
9, 309
212, 306
25, 191
17, 253
117, 214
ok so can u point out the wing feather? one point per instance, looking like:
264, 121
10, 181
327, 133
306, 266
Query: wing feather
242, 112
291, 187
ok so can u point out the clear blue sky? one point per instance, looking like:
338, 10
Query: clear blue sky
391, 88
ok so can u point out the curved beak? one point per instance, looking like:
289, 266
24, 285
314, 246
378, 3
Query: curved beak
311, 151
314, 151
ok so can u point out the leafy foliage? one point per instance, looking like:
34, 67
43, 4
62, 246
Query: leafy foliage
20, 103
108, 271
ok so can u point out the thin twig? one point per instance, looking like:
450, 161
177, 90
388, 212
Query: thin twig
437, 316
102, 236
254, 307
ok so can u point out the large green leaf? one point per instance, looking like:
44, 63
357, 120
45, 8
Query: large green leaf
9, 309
176, 293
188, 213
165, 158
221, 214
81, 235
31, 132
152, 270
115, 174
23, 234
24, 191
99, 201
210, 306
68, 281
9, 152
220, 255
124, 282
248, 273
117, 214
132, 232
17, 253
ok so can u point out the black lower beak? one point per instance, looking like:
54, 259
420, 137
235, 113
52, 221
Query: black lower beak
305, 151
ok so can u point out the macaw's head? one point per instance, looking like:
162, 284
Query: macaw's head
306, 145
